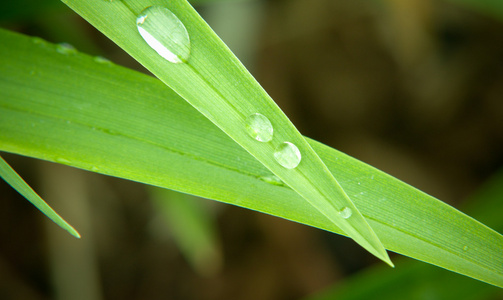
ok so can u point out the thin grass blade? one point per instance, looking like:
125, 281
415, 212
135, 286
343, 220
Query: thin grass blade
171, 40
14, 180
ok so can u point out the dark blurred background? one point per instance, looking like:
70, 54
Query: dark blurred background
414, 88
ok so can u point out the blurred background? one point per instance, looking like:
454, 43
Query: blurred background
414, 88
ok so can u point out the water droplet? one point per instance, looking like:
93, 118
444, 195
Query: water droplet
95, 169
62, 160
259, 127
65, 48
165, 33
465, 248
287, 155
345, 213
39, 41
272, 179
102, 60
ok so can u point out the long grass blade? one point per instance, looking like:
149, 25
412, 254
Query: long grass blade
198, 66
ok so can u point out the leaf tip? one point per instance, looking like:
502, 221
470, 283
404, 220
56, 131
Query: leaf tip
74, 232
383, 255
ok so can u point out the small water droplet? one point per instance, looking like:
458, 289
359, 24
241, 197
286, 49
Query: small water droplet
62, 160
102, 60
65, 48
287, 155
272, 179
345, 213
465, 248
39, 41
165, 33
95, 169
259, 127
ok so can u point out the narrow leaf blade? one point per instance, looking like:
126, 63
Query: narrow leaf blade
214, 81
14, 180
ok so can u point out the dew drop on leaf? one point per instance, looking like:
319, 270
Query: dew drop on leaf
259, 127
287, 155
273, 179
164, 33
102, 60
345, 213
39, 41
62, 160
65, 48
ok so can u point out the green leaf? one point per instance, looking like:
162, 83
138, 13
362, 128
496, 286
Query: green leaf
14, 180
206, 74
129, 125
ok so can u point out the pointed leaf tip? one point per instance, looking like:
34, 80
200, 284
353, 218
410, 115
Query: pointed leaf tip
16, 182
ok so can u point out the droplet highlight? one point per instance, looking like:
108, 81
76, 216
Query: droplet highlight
345, 213
164, 33
287, 155
259, 127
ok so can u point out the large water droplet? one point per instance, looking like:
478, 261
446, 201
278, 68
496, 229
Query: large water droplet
165, 33
259, 127
345, 213
287, 155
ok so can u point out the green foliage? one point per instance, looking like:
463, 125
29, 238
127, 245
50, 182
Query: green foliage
412, 280
218, 85
126, 124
